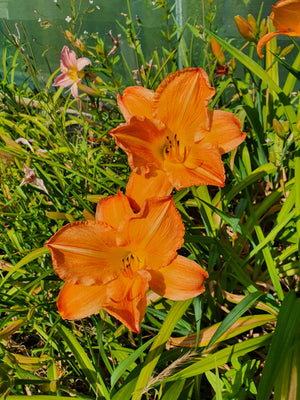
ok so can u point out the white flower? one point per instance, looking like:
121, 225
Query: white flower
68, 19
91, 1
98, 8
40, 20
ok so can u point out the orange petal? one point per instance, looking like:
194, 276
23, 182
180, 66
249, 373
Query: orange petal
217, 51
263, 41
78, 301
131, 309
180, 280
141, 187
285, 16
155, 233
136, 100
181, 102
203, 166
142, 139
111, 210
225, 131
85, 253
261, 44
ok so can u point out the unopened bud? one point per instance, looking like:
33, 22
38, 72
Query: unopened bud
263, 28
232, 64
297, 130
245, 28
286, 50
100, 48
78, 43
93, 92
69, 36
217, 51
272, 157
95, 78
252, 22
280, 129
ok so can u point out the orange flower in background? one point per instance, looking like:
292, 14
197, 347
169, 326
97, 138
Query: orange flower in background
286, 20
111, 262
171, 137
71, 69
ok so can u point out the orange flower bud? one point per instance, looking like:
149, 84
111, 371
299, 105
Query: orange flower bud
78, 43
69, 36
217, 51
245, 28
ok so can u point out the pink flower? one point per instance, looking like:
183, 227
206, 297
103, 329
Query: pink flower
71, 69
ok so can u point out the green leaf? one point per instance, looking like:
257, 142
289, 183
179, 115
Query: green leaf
124, 365
88, 370
286, 335
209, 362
173, 391
27, 259
235, 314
174, 315
258, 173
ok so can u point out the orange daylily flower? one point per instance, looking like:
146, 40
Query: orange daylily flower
110, 263
286, 20
171, 137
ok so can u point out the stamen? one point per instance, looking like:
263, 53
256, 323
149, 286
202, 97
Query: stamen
173, 151
131, 263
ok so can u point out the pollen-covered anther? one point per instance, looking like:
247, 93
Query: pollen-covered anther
174, 151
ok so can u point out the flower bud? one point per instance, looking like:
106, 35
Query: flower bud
217, 51
284, 52
78, 43
232, 65
281, 129
263, 28
92, 92
252, 22
70, 36
247, 30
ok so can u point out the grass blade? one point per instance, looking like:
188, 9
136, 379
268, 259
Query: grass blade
84, 362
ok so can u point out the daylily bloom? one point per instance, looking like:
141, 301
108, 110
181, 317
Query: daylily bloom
111, 262
286, 20
171, 137
71, 69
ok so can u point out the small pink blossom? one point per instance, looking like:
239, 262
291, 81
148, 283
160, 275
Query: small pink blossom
71, 69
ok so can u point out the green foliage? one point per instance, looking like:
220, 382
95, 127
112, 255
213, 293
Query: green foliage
246, 234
